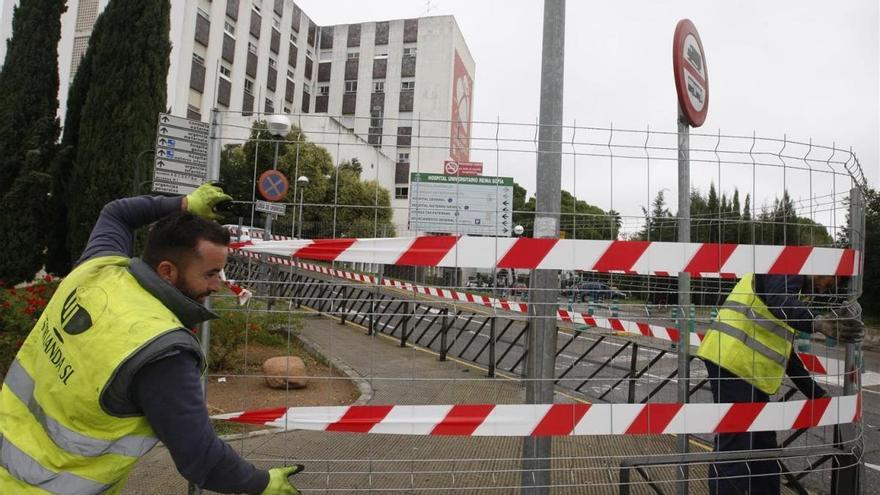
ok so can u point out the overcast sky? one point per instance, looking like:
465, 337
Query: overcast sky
804, 69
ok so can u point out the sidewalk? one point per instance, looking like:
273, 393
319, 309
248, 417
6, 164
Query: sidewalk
348, 462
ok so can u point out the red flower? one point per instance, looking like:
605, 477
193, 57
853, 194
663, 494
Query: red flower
48, 278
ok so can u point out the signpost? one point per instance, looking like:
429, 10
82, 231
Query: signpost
181, 163
273, 208
451, 167
461, 205
692, 86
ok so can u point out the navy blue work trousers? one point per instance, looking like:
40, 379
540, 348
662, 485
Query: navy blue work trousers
759, 477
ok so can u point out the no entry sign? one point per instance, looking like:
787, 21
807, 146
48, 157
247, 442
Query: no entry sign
272, 185
691, 76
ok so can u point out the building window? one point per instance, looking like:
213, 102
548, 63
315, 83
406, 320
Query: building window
198, 59
204, 13
193, 112
401, 192
276, 23
407, 85
378, 86
293, 38
409, 51
252, 47
307, 88
324, 90
272, 63
229, 28
403, 157
380, 55
248, 85
225, 72
354, 55
351, 86
256, 7
286, 109
290, 74
376, 118
270, 105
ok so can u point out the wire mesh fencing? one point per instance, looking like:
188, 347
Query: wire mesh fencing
413, 340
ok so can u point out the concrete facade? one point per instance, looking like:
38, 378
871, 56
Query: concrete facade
249, 58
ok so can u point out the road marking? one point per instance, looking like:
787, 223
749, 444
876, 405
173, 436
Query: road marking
872, 466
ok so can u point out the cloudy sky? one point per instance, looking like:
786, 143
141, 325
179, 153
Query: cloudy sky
798, 70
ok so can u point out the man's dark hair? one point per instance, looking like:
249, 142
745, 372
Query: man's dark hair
175, 237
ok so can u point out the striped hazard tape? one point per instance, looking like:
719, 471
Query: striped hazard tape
813, 363
520, 420
634, 257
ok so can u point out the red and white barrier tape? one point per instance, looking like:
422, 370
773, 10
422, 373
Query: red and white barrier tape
519, 420
813, 363
634, 257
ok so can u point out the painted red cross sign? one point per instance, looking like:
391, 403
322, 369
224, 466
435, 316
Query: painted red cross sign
691, 75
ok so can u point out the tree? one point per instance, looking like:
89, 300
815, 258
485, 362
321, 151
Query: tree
577, 220
660, 223
58, 254
28, 131
362, 208
870, 299
119, 114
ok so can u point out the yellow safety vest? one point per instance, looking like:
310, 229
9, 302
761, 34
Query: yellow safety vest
747, 340
56, 434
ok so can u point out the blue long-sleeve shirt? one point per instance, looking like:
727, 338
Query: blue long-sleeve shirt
168, 390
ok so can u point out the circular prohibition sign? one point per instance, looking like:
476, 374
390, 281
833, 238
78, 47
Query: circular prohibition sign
691, 75
272, 185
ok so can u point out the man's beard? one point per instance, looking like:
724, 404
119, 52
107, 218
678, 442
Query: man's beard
195, 296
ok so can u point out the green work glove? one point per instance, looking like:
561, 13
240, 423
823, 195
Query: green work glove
278, 482
205, 199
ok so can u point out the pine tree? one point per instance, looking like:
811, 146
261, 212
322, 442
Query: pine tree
28, 131
736, 216
120, 110
712, 205
58, 255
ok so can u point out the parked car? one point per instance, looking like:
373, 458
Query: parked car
247, 233
587, 291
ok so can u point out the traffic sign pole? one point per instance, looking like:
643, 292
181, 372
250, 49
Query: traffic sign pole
212, 169
267, 232
692, 87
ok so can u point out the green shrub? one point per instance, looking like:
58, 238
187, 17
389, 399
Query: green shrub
250, 324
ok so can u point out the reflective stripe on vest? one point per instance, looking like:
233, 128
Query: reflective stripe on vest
750, 342
769, 325
22, 385
25, 468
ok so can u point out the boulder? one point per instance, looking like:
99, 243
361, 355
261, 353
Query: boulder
285, 372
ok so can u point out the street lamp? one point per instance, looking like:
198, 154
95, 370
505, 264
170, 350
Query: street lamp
279, 126
302, 181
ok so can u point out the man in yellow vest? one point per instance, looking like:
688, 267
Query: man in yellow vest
748, 349
112, 365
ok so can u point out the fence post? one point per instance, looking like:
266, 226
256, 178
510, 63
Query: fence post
342, 306
492, 347
631, 394
404, 322
371, 327
847, 475
444, 329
